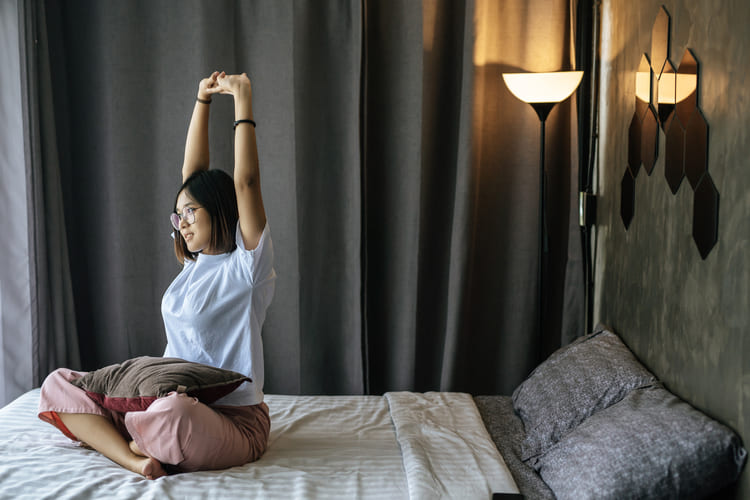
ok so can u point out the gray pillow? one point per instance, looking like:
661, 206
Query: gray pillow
649, 445
588, 375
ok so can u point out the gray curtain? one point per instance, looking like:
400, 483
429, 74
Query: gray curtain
15, 300
398, 174
36, 296
417, 190
451, 196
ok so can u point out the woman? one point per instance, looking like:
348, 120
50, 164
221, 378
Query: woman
213, 312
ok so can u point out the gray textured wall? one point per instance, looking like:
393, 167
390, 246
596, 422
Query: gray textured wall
686, 318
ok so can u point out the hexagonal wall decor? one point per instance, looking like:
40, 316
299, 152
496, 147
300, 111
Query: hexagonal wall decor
627, 200
667, 97
659, 56
706, 216
696, 148
686, 86
660, 41
634, 145
649, 140
667, 101
648, 125
674, 154
643, 86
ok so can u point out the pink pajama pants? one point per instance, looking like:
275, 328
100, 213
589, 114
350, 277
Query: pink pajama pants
177, 429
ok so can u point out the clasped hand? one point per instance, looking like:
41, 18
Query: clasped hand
221, 83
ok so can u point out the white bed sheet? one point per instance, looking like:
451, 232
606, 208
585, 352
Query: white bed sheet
320, 447
447, 452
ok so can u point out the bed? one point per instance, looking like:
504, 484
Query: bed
400, 445
589, 422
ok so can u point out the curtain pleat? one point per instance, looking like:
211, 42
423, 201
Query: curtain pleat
327, 58
461, 229
392, 166
54, 334
16, 367
399, 175
444, 99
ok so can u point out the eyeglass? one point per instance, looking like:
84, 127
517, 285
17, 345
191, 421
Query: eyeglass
188, 214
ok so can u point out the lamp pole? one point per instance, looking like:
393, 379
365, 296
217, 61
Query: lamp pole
542, 91
542, 110
542, 232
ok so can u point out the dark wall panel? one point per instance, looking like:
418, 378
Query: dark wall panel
687, 318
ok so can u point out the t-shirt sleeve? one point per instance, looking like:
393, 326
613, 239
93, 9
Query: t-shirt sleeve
256, 263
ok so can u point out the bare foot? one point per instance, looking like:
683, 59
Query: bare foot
134, 448
147, 466
151, 468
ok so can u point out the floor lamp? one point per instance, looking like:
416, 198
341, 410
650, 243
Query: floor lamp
542, 91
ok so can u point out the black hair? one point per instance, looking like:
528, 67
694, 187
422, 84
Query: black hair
214, 191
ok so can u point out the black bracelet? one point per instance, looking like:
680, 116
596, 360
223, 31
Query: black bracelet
237, 122
203, 101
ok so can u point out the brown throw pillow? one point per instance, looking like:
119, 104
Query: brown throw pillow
136, 383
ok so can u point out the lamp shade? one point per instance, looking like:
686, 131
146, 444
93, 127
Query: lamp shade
543, 87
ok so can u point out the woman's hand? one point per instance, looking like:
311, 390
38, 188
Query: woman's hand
236, 85
206, 86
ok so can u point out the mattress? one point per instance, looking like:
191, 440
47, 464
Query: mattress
401, 445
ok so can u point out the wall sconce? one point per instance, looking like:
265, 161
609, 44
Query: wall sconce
543, 91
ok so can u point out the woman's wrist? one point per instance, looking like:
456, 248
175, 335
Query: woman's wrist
243, 92
243, 103
243, 110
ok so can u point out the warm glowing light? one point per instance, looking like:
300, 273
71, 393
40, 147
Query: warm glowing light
643, 85
643, 80
674, 88
543, 87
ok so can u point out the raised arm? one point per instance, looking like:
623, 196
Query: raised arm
196, 144
246, 169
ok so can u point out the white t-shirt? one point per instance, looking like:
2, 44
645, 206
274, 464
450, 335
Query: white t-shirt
214, 310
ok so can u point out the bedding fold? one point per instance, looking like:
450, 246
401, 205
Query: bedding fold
445, 447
